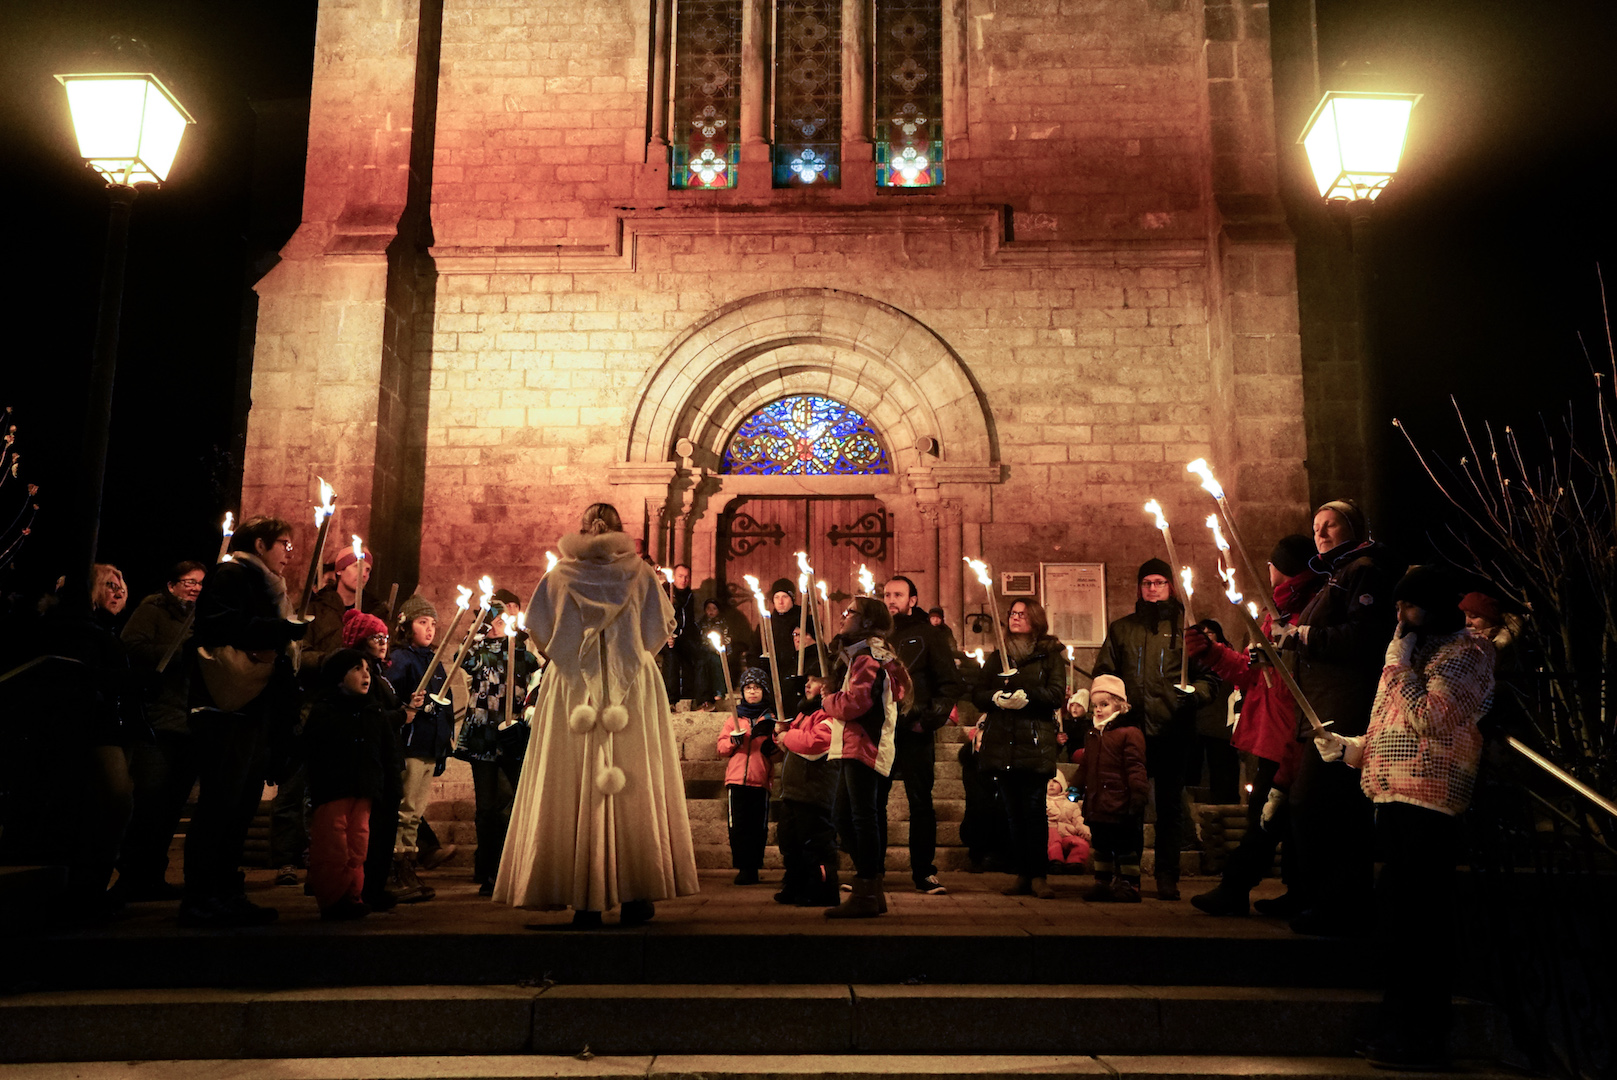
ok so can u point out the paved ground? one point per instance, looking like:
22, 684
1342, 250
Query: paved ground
973, 903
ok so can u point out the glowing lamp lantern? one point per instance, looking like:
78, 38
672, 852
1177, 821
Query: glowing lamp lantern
1355, 142
128, 125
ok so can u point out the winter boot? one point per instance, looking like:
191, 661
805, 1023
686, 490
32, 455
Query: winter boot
1222, 900
431, 860
403, 884
1022, 886
1041, 888
862, 902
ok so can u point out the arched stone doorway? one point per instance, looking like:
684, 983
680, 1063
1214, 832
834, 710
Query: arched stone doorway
869, 355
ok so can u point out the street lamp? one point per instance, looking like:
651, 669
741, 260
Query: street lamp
1354, 142
129, 128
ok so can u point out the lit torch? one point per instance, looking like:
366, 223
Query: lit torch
359, 560
867, 581
980, 567
1184, 651
1155, 509
1069, 672
804, 573
511, 628
462, 602
767, 637
717, 640
322, 521
1249, 612
229, 529
1211, 485
485, 598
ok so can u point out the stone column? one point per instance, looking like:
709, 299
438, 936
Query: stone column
858, 151
955, 100
757, 104
950, 569
662, 62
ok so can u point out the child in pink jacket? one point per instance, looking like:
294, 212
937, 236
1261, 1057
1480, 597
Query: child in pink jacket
748, 740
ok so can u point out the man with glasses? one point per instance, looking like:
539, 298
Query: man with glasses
163, 770
1144, 649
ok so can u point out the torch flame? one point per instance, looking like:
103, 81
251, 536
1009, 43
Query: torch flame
667, 573
327, 503
981, 569
803, 566
867, 580
1154, 507
359, 547
230, 523
1230, 591
977, 654
1069, 654
550, 561
718, 642
1252, 607
512, 626
757, 594
1209, 483
485, 585
522, 620
1184, 576
1218, 534
464, 600
825, 593
802, 585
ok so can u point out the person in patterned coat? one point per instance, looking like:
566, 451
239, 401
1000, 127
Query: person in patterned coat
1418, 765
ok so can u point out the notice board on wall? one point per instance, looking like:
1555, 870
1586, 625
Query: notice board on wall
1074, 597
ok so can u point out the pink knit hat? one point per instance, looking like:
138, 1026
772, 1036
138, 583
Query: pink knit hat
1109, 684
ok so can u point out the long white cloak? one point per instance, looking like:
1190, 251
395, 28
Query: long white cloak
569, 843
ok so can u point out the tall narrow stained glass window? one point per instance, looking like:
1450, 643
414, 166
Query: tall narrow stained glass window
909, 93
805, 435
808, 93
707, 94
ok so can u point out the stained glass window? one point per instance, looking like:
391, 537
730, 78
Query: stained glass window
808, 93
909, 93
707, 94
805, 435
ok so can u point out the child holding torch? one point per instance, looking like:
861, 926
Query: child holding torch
747, 739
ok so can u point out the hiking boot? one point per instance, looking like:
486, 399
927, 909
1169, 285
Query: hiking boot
431, 860
404, 885
862, 903
1221, 901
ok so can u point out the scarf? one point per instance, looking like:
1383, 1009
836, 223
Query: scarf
275, 582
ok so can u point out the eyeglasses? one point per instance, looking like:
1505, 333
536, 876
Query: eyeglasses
1154, 582
377, 637
287, 544
189, 583
849, 611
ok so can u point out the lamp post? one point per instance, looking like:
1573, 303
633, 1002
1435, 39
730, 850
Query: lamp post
1355, 144
129, 128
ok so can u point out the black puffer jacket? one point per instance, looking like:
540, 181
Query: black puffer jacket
348, 743
1349, 622
1023, 738
1144, 649
929, 657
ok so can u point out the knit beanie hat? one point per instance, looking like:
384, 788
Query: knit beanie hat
783, 585
1482, 606
339, 664
358, 625
506, 596
346, 559
414, 608
1154, 566
1290, 556
754, 677
1109, 684
1357, 524
1436, 591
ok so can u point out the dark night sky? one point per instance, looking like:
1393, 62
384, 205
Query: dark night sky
1486, 256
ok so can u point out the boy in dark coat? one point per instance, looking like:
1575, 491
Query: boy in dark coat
347, 744
804, 829
1111, 773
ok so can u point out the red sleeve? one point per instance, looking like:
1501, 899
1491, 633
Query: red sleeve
854, 701
809, 736
1231, 665
727, 745
1134, 769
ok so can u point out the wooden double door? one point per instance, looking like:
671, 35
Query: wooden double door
761, 535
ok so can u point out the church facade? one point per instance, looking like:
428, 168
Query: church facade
1028, 254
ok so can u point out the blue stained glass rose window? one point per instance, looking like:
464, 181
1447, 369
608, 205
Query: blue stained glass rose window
805, 435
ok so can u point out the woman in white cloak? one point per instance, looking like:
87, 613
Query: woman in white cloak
599, 818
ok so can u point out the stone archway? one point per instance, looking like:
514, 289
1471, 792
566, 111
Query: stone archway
860, 351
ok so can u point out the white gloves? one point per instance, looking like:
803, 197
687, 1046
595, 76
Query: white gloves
1017, 700
1334, 747
1400, 650
1271, 806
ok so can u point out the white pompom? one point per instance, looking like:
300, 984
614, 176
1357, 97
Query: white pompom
610, 780
614, 718
527, 714
581, 719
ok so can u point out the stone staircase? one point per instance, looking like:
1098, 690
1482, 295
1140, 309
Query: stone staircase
450, 810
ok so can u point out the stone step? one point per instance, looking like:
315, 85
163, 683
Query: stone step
768, 1067
609, 1020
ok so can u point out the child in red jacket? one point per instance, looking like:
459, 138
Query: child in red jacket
1111, 774
748, 740
805, 827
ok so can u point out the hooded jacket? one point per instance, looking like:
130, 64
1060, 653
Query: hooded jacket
864, 713
751, 758
1144, 649
1349, 622
1111, 771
